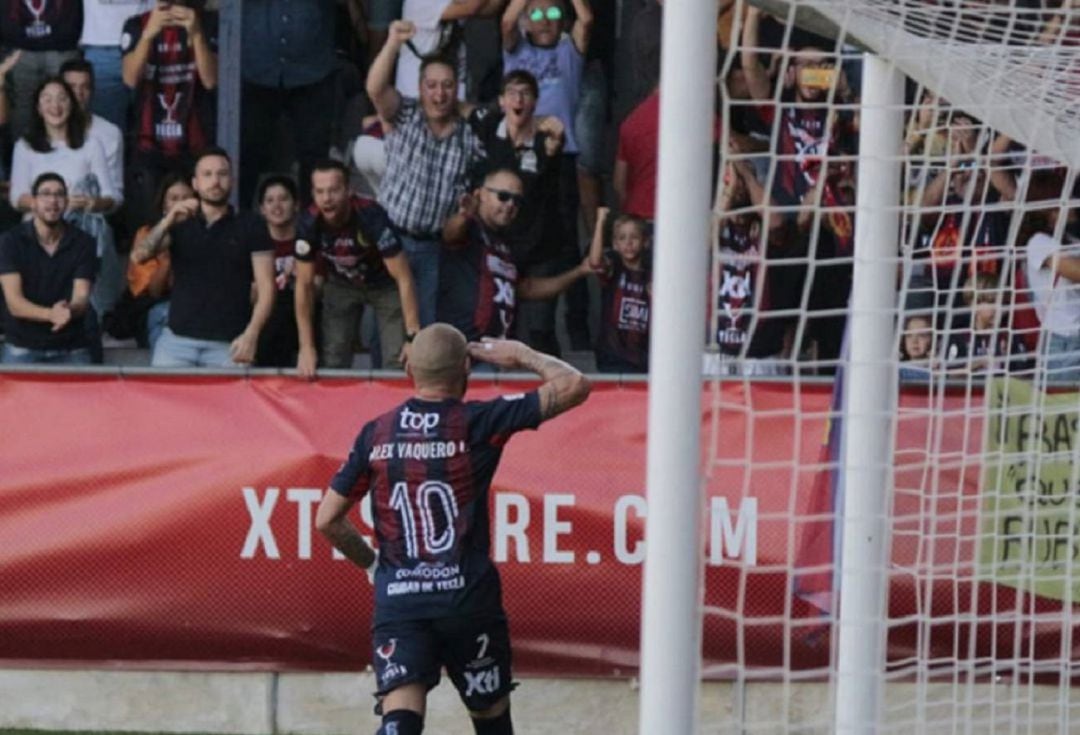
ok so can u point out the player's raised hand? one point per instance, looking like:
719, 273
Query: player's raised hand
504, 353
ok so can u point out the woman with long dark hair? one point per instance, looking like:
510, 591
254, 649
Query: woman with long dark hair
56, 142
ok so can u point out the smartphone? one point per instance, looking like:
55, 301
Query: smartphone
817, 77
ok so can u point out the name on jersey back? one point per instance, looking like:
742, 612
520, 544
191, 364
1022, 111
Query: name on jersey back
417, 450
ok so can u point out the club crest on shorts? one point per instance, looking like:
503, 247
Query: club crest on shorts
390, 670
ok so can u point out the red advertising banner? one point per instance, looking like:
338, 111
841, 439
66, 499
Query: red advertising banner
168, 521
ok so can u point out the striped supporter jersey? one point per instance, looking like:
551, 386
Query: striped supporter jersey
428, 466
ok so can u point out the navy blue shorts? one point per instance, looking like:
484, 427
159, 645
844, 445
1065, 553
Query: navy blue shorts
474, 649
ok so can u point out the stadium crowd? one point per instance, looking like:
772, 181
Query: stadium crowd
474, 161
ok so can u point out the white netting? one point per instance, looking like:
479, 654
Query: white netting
984, 428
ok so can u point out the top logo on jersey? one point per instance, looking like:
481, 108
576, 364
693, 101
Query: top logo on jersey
416, 421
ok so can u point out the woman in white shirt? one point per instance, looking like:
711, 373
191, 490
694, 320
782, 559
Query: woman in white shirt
57, 142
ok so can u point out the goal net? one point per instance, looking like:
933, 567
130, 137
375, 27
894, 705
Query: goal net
908, 445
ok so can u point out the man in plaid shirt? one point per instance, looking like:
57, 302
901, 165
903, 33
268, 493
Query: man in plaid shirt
429, 152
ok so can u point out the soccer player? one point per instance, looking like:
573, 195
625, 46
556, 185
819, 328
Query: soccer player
428, 464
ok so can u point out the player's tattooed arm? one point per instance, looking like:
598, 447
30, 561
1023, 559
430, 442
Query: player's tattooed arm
332, 521
564, 386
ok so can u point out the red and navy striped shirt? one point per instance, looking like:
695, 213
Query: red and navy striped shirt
478, 285
174, 113
41, 25
428, 466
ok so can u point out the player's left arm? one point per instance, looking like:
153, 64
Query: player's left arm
564, 386
332, 521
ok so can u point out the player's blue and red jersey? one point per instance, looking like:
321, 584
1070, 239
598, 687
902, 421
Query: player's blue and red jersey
428, 466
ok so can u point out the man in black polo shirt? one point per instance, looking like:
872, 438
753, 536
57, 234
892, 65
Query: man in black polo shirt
216, 254
46, 270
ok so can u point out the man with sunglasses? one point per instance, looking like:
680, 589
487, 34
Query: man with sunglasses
480, 285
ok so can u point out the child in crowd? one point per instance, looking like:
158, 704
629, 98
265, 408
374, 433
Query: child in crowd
625, 275
981, 342
917, 348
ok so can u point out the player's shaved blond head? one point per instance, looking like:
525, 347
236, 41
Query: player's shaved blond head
438, 356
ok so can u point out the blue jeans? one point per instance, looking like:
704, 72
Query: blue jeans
157, 321
111, 97
424, 257
174, 350
13, 355
1062, 353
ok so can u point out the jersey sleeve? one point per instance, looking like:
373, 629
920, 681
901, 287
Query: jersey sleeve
378, 222
408, 108
210, 29
354, 476
86, 267
307, 236
258, 235
132, 32
610, 262
494, 422
8, 262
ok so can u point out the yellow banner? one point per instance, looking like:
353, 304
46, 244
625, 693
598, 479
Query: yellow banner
1030, 529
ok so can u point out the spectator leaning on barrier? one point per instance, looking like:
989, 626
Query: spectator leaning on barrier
352, 237
429, 153
47, 268
103, 24
288, 68
480, 284
170, 61
216, 253
47, 32
279, 203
